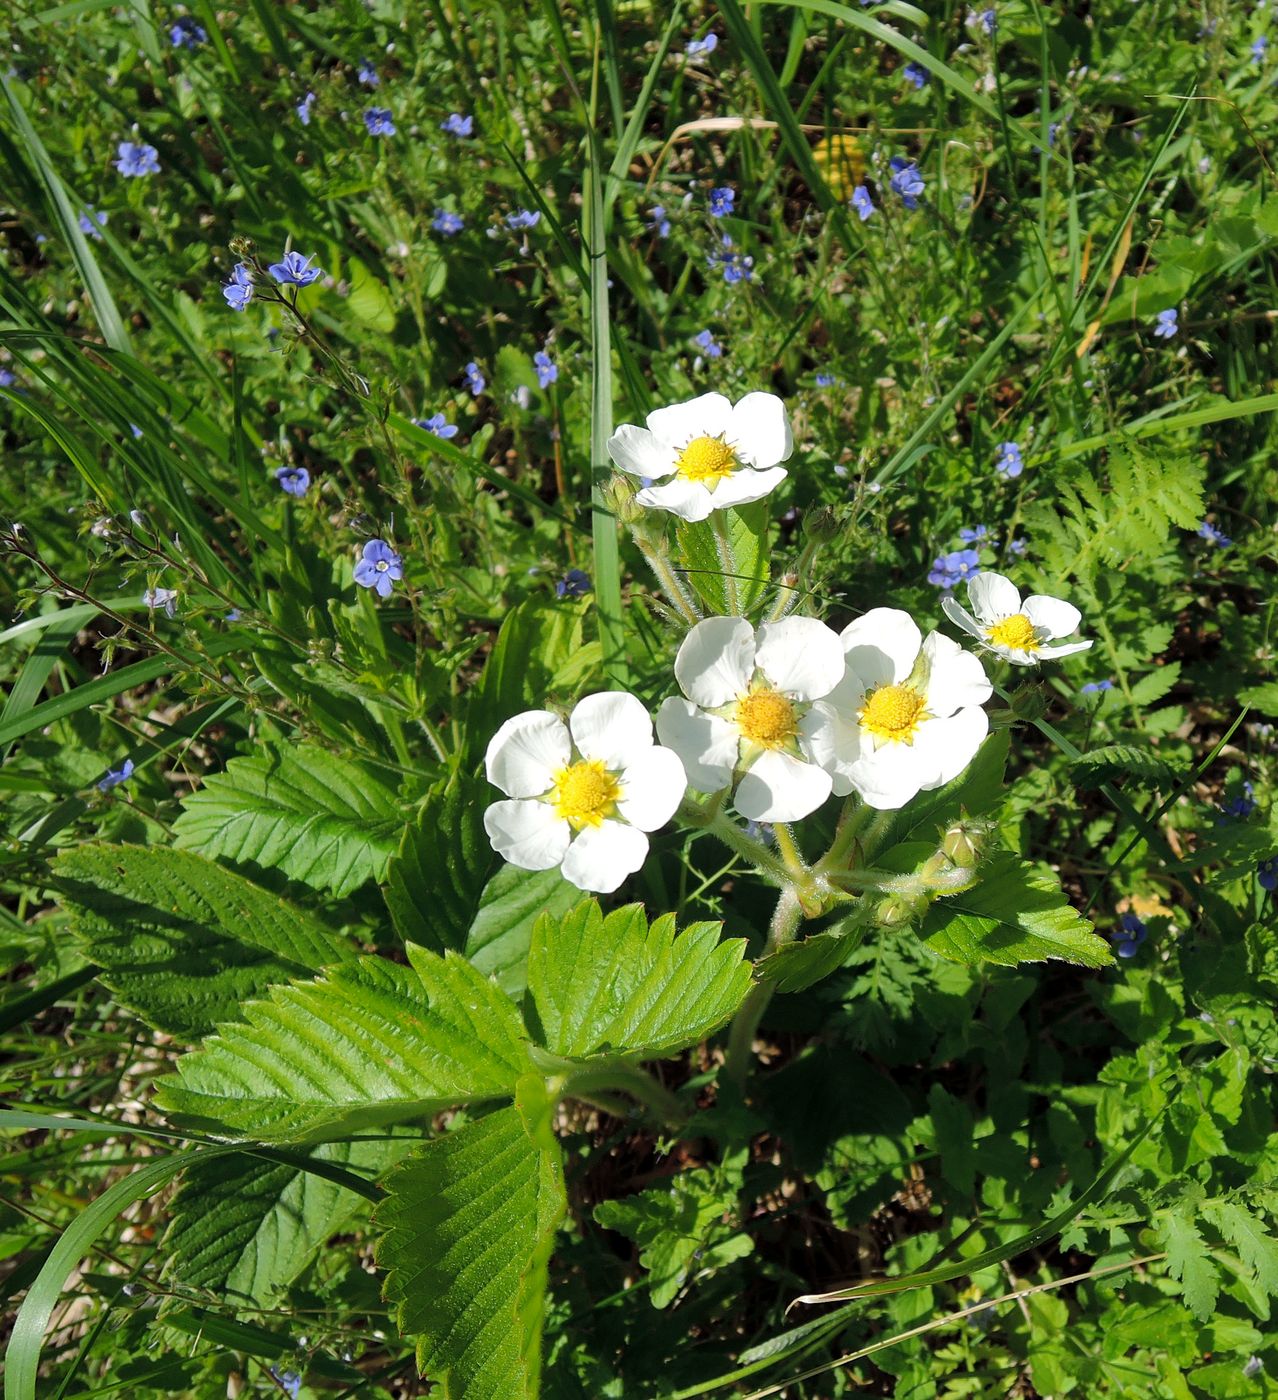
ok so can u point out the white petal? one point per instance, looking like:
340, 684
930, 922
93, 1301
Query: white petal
652, 790
956, 677
716, 660
831, 733
527, 834
1017, 656
689, 500
882, 646
602, 856
778, 788
888, 777
707, 746
1057, 617
993, 597
745, 486
760, 430
1055, 653
611, 726
526, 752
800, 656
676, 426
960, 617
944, 747
636, 451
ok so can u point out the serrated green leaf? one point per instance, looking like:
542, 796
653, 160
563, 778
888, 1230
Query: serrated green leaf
469, 1222
796, 966
1016, 913
1189, 1261
181, 940
1262, 697
1255, 1245
619, 985
1155, 684
369, 1044
1116, 760
726, 557
501, 933
324, 820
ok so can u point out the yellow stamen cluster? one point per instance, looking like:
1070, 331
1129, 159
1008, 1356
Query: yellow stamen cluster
894, 712
585, 793
706, 459
766, 718
1016, 632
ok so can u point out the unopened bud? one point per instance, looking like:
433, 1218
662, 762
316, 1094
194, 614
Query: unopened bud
964, 841
821, 525
895, 911
242, 247
619, 494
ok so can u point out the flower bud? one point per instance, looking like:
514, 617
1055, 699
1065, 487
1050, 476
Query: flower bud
964, 841
242, 247
619, 494
897, 910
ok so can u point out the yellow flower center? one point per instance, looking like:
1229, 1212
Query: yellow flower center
1016, 632
706, 459
585, 793
766, 718
894, 712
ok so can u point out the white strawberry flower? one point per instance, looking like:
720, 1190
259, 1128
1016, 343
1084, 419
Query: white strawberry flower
717, 453
584, 794
906, 716
1015, 630
746, 716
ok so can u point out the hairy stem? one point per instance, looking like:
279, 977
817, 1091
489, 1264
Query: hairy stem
785, 924
594, 1085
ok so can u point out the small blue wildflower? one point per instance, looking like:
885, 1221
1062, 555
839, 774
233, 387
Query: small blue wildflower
974, 534
294, 481
1267, 873
438, 425
447, 223
736, 267
523, 218
367, 74
547, 370
1017, 547
475, 381
826, 381
233, 615
378, 121
696, 48
1214, 536
1252, 1366
457, 125
915, 73
982, 19
1097, 687
239, 290
116, 776
1008, 463
165, 598
950, 569
657, 221
137, 159
1165, 324
861, 202
93, 221
706, 341
304, 108
574, 584
291, 1381
7, 378
296, 270
186, 33
1258, 49
721, 201
1238, 807
1129, 935
135, 430
906, 181
379, 567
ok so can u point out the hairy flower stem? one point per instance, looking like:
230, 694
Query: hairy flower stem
851, 820
727, 561
680, 598
785, 924
594, 1085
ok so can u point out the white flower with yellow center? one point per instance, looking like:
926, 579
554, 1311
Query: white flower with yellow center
906, 716
716, 453
746, 716
1015, 630
584, 794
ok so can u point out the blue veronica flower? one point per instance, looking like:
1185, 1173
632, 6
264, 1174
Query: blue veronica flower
137, 433
1129, 935
239, 290
974, 534
574, 584
379, 567
367, 74
825, 381
1267, 873
137, 159
708, 344
1238, 807
695, 48
294, 481
861, 202
982, 19
186, 33
7, 378
1096, 687
447, 223
165, 598
93, 221
1165, 323
906, 181
1008, 463
523, 218
547, 370
116, 776
657, 221
951, 569
1258, 49
1214, 536
475, 381
457, 125
736, 267
721, 201
290, 1380
1017, 547
304, 108
438, 425
378, 121
296, 270
915, 73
